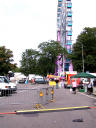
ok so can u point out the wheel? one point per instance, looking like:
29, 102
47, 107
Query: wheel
0, 93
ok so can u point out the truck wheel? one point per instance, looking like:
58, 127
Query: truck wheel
0, 93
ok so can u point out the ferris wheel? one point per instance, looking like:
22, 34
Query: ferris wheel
64, 33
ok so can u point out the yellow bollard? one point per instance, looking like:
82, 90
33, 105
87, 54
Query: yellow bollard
52, 92
41, 93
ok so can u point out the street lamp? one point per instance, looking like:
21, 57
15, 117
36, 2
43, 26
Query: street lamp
82, 58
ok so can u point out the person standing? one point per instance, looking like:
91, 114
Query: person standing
89, 87
57, 81
74, 87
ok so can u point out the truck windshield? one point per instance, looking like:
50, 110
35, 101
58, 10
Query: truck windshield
3, 80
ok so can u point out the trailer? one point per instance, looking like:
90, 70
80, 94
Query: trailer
68, 82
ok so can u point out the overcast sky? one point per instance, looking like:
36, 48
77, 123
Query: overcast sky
26, 23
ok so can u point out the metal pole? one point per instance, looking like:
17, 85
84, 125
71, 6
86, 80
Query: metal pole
82, 58
64, 32
63, 65
58, 68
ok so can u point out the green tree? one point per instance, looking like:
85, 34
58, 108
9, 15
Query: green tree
6, 59
87, 39
29, 62
16, 69
49, 52
43, 61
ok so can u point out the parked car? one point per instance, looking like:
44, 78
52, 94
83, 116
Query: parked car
40, 81
22, 81
13, 86
6, 87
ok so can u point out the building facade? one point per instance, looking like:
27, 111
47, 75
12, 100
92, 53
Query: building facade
64, 34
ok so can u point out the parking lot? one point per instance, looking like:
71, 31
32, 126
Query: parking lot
23, 100
26, 97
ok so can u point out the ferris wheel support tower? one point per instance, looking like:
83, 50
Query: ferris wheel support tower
64, 34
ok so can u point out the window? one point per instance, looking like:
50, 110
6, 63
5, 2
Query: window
59, 0
58, 15
59, 9
69, 14
5, 80
59, 5
69, 33
69, 5
58, 25
69, 51
69, 42
67, 60
1, 80
69, 23
58, 20
67, 67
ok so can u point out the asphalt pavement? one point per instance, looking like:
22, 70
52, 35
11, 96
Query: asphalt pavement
85, 118
65, 98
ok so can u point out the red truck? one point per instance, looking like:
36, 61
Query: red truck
68, 81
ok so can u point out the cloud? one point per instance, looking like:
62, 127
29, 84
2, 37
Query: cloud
26, 23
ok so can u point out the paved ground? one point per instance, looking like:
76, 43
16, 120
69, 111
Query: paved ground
65, 119
64, 98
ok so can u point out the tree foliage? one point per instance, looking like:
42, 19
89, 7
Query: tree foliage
87, 39
41, 61
6, 59
29, 61
50, 51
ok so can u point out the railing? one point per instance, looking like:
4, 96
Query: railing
26, 97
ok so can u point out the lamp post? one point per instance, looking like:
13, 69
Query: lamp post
82, 58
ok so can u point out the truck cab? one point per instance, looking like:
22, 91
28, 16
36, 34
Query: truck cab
68, 81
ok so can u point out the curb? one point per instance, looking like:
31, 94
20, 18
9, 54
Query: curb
48, 110
52, 110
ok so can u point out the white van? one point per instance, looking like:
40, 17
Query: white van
6, 86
